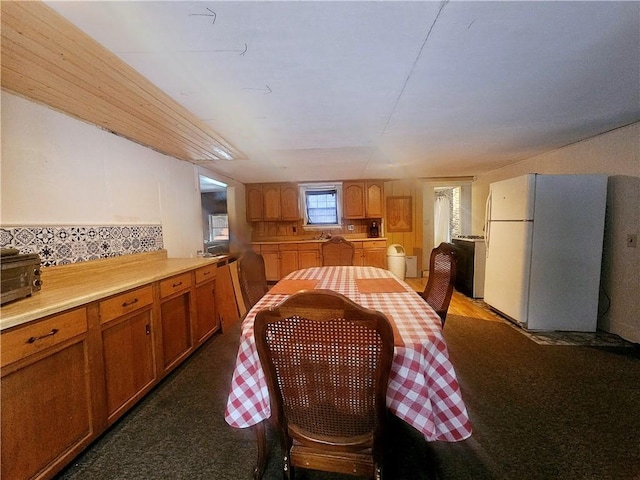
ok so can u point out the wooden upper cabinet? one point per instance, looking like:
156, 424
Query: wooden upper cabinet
353, 195
271, 196
362, 199
289, 207
374, 199
272, 202
254, 203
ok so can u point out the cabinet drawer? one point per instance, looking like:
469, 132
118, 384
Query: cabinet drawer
204, 274
34, 337
305, 247
124, 303
175, 284
288, 247
375, 244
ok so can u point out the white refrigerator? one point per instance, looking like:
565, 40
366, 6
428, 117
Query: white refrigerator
544, 236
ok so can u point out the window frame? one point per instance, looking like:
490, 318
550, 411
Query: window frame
311, 187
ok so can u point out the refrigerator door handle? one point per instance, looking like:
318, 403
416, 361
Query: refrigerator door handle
487, 222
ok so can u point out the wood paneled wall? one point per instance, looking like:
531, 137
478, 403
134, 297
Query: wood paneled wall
411, 241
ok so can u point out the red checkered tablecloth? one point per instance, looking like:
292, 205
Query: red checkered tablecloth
423, 389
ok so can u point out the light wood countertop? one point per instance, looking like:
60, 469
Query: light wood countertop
277, 242
69, 286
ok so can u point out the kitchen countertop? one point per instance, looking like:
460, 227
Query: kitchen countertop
276, 242
69, 286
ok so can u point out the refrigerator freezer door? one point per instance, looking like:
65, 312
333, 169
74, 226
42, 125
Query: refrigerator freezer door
506, 286
512, 199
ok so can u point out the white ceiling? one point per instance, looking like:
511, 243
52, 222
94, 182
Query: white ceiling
386, 89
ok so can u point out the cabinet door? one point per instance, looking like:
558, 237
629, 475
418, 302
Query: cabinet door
374, 201
176, 329
129, 362
374, 257
289, 207
353, 194
271, 257
308, 256
374, 253
288, 262
206, 319
358, 255
271, 195
254, 203
45, 397
225, 298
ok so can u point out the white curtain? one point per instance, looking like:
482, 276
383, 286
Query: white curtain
441, 221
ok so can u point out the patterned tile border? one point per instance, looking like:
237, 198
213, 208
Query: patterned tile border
62, 245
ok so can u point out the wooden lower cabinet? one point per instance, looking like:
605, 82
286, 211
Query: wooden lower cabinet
46, 417
206, 321
176, 329
309, 255
129, 361
371, 253
67, 377
271, 256
288, 258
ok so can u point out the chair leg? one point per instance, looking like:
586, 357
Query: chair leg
261, 442
287, 474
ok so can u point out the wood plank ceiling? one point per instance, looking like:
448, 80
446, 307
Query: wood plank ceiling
47, 59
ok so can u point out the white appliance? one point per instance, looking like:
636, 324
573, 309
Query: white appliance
544, 236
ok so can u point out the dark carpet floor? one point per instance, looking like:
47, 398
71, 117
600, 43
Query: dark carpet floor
538, 411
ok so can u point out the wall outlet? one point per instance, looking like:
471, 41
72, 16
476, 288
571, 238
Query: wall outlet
350, 228
632, 240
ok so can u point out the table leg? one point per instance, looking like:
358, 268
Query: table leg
261, 442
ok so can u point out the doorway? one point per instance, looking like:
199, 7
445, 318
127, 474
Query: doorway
215, 218
446, 213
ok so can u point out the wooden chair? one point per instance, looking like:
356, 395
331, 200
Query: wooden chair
327, 360
252, 277
337, 251
442, 276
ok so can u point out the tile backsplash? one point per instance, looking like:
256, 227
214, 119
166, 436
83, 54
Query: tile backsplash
61, 245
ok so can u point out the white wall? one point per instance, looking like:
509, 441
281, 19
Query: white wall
616, 154
57, 170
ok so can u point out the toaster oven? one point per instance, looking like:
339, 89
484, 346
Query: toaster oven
19, 275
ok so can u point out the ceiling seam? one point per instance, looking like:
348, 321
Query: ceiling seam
415, 62
406, 81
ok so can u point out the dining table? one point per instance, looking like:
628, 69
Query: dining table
423, 389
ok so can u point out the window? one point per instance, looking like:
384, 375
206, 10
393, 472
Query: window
218, 227
321, 205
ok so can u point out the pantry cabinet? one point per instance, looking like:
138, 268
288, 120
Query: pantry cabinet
46, 415
362, 200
